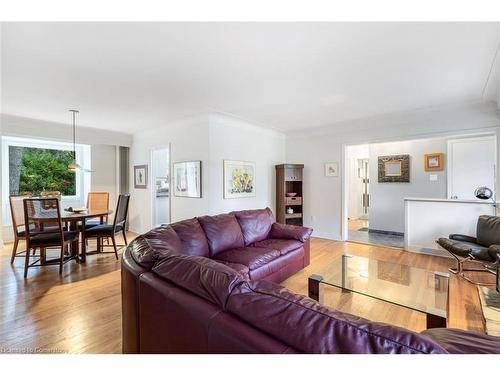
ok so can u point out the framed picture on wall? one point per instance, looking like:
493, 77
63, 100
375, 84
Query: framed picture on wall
239, 179
332, 169
394, 168
187, 179
434, 162
141, 176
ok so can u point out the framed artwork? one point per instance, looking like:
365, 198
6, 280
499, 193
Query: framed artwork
332, 169
434, 162
239, 179
394, 168
141, 176
187, 179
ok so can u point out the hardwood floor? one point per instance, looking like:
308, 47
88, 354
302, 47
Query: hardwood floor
80, 312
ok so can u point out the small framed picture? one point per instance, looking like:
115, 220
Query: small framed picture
434, 162
140, 176
187, 179
332, 169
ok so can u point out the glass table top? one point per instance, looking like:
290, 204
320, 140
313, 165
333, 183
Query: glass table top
408, 286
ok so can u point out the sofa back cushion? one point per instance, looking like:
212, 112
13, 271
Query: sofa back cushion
223, 232
152, 246
309, 327
255, 224
202, 276
488, 230
192, 236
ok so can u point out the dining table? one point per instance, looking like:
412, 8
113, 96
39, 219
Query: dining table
76, 221
73, 219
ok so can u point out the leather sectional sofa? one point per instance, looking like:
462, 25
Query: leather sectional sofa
209, 285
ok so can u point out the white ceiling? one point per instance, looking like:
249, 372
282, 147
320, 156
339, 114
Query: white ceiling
286, 76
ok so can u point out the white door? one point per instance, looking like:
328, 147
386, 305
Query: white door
471, 164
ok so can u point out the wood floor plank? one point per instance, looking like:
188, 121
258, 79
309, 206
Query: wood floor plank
80, 312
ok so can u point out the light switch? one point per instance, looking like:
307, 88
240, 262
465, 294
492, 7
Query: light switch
433, 177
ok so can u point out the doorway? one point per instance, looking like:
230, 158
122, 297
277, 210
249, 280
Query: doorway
160, 183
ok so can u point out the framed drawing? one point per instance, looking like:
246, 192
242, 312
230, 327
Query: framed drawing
187, 179
332, 169
239, 179
434, 162
394, 168
141, 176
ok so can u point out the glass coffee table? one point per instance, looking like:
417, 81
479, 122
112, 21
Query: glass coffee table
407, 286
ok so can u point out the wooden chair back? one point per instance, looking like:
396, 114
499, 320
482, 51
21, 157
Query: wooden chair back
17, 211
41, 211
98, 201
121, 211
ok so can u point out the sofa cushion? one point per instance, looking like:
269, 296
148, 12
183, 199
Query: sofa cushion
152, 246
290, 232
240, 268
457, 341
309, 327
223, 232
272, 271
202, 276
255, 224
283, 246
192, 236
252, 257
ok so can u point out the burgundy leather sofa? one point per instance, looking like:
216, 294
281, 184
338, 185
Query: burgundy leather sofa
209, 285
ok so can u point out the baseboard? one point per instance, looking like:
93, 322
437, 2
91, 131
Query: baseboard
326, 236
386, 232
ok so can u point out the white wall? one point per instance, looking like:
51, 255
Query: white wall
189, 140
323, 195
104, 175
387, 209
211, 139
233, 139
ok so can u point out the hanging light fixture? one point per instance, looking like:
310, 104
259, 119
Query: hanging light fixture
74, 166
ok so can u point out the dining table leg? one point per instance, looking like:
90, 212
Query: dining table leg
83, 256
74, 247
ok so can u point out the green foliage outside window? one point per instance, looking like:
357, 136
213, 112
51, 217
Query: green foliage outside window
36, 169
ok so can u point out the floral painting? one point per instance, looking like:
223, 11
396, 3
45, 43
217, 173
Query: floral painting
239, 179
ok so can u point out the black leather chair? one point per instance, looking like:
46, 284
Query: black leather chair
110, 230
484, 248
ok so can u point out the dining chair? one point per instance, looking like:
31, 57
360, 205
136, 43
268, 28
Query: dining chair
38, 212
97, 201
102, 231
17, 214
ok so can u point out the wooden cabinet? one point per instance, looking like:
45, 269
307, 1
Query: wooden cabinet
289, 180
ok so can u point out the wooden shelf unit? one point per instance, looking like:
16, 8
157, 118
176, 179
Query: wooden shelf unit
289, 180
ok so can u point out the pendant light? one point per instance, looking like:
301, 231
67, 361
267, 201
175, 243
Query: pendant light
74, 166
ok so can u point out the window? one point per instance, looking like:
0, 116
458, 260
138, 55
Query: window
33, 169
33, 165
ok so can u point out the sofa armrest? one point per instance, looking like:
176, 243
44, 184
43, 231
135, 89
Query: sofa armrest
292, 232
463, 237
